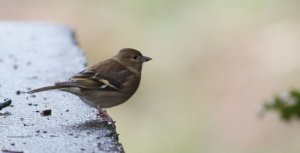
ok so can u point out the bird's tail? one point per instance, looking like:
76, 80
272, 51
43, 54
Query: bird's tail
46, 88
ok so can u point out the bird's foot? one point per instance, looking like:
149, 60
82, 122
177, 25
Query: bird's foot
103, 114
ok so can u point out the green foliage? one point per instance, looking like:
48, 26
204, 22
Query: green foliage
288, 105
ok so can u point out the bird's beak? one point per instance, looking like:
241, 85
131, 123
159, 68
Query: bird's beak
146, 59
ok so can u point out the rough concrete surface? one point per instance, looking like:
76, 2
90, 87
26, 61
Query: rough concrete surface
34, 55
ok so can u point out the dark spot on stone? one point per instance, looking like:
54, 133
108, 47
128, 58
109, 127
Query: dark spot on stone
67, 110
33, 78
22, 119
6, 103
38, 131
16, 67
10, 151
33, 96
45, 98
18, 92
28, 124
37, 111
12, 144
30, 104
28, 63
110, 134
82, 149
46, 112
5, 114
45, 132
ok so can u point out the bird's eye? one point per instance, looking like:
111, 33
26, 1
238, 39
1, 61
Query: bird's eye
134, 57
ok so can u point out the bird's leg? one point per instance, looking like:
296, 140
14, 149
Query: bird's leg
103, 114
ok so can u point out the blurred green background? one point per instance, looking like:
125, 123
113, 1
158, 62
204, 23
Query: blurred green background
214, 63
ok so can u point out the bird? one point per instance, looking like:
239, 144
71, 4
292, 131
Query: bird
107, 83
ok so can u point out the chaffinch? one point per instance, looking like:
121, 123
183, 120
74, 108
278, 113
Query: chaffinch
107, 83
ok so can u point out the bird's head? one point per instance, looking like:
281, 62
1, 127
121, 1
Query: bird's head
132, 58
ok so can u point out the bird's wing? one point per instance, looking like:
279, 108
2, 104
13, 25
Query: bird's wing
108, 75
90, 79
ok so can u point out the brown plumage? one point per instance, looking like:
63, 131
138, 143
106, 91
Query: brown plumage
107, 83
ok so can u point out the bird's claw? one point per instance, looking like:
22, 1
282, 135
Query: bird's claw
106, 117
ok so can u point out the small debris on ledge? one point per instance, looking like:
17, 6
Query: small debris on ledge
11, 151
6, 103
46, 112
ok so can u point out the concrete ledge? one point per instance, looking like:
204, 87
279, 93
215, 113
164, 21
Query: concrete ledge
37, 54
